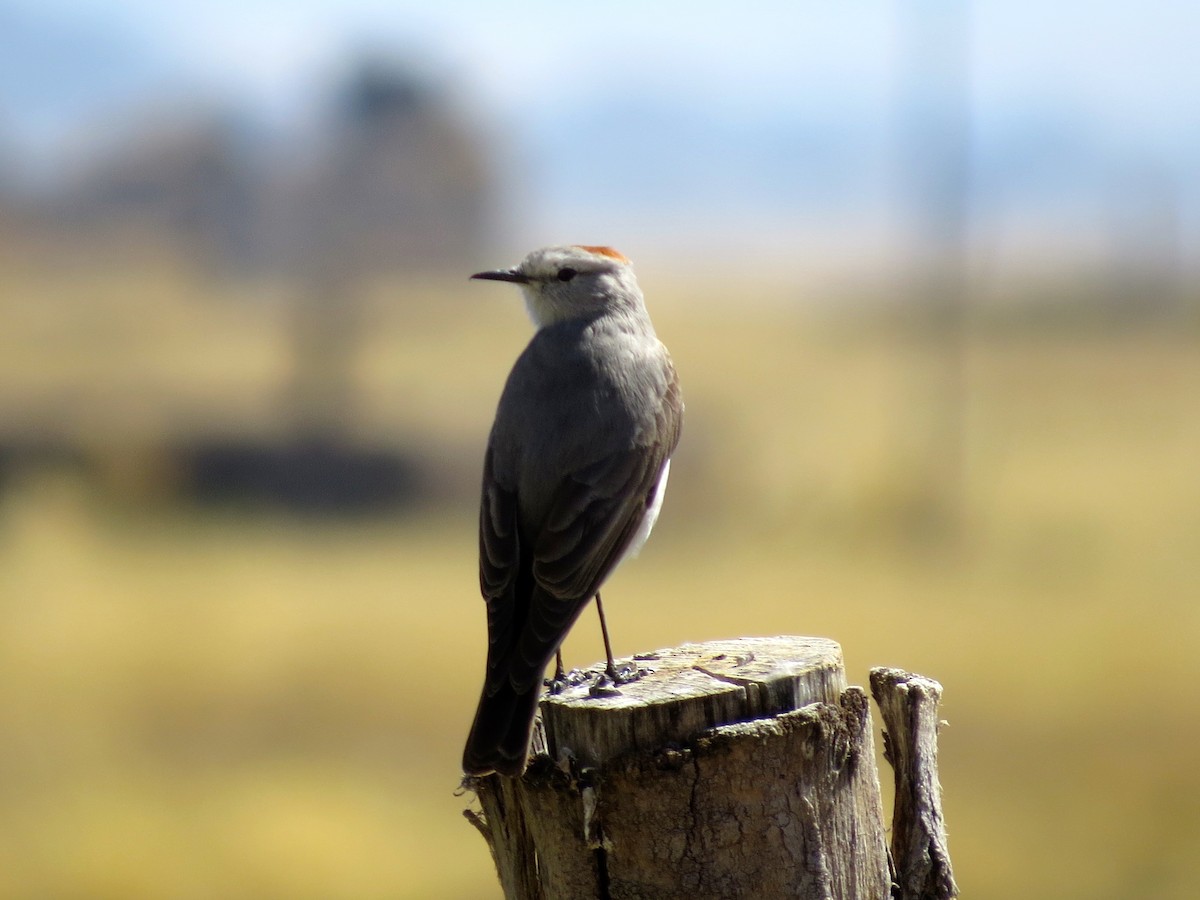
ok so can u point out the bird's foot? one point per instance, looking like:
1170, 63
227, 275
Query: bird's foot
627, 673
566, 680
610, 680
603, 686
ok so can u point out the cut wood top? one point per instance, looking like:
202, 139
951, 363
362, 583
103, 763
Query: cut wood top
689, 689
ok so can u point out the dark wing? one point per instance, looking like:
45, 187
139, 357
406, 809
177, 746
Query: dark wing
499, 571
592, 520
535, 591
499, 545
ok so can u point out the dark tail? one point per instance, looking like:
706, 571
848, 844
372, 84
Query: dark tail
499, 738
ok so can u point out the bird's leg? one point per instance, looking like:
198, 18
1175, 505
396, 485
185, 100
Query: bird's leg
611, 667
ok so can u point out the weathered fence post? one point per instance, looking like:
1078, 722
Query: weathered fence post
740, 768
909, 706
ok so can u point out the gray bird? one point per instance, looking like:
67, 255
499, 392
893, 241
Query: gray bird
573, 478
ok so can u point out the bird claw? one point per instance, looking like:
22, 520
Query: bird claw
603, 687
609, 682
628, 674
571, 679
602, 684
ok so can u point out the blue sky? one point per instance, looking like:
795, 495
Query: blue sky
1070, 88
1129, 58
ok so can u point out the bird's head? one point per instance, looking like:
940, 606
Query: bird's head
571, 282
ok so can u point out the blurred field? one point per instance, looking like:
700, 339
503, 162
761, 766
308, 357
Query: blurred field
226, 702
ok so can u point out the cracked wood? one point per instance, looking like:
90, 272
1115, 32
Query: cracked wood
735, 768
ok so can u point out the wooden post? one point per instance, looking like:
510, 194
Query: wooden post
740, 768
909, 704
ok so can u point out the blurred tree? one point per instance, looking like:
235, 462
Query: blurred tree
394, 181
398, 187
391, 182
397, 184
179, 185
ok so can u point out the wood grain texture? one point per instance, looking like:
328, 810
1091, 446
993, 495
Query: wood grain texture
908, 705
741, 768
690, 688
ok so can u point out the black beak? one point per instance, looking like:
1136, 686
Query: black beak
502, 275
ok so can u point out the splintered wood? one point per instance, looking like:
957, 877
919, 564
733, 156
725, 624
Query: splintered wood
909, 706
738, 768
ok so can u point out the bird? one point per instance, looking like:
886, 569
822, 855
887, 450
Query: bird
573, 476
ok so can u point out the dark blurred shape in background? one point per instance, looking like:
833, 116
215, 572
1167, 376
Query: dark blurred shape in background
390, 184
389, 180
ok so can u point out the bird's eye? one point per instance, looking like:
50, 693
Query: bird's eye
566, 274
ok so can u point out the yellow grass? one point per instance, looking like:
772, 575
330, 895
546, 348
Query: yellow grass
200, 704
